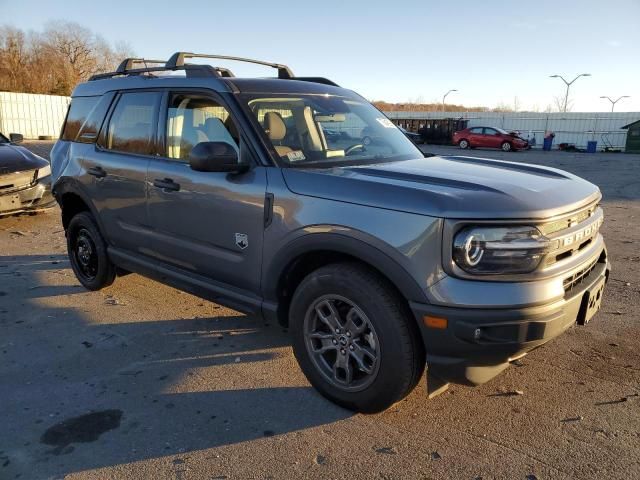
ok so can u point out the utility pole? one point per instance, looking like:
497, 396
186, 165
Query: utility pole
445, 96
568, 84
613, 102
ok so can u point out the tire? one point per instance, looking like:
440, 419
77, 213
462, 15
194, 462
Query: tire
506, 147
464, 144
87, 252
378, 342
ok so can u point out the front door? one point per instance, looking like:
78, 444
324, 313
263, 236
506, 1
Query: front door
209, 223
492, 138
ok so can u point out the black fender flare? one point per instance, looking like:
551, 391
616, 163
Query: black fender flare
69, 185
340, 243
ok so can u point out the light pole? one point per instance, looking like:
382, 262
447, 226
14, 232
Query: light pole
613, 102
445, 96
568, 84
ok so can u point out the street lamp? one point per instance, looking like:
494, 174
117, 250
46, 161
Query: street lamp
568, 84
445, 96
613, 102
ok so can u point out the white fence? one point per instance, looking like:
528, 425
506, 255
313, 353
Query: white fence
32, 115
572, 127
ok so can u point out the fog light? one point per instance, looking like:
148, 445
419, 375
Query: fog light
435, 322
477, 333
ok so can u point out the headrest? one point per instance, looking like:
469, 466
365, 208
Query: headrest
274, 126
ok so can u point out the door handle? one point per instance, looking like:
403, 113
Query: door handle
97, 172
166, 184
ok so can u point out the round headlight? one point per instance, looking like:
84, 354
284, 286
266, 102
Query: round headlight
473, 250
499, 250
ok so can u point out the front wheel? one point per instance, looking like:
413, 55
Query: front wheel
463, 144
354, 338
88, 253
506, 147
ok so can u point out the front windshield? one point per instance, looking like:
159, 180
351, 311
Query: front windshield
328, 130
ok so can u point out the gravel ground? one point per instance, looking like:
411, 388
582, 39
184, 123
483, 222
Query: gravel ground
185, 389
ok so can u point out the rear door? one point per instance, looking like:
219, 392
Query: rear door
475, 137
209, 223
119, 165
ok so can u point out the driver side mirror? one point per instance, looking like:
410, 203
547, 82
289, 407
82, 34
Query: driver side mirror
16, 137
215, 157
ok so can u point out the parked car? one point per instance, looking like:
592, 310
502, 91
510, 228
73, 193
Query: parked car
414, 137
25, 178
489, 137
378, 259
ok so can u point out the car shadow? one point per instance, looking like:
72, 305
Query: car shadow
80, 393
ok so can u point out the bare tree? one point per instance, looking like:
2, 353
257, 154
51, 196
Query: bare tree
54, 61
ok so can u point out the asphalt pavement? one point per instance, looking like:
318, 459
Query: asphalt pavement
142, 381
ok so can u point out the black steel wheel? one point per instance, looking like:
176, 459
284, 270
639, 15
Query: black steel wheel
87, 252
354, 337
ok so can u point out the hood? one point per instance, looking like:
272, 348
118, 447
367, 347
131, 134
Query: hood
450, 187
14, 158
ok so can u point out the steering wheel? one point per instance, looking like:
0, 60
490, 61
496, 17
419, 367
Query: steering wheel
349, 150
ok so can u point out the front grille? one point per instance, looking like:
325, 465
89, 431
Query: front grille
576, 279
16, 181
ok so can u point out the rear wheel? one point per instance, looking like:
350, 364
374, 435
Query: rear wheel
354, 339
88, 253
506, 147
464, 144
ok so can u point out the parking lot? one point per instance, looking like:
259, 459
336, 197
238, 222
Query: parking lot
167, 385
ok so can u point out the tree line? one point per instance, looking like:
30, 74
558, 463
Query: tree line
54, 60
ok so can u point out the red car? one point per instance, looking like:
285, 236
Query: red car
489, 137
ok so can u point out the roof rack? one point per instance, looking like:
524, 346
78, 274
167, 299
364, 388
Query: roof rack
177, 62
128, 63
178, 58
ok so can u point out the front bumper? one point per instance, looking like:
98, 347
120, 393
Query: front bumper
459, 354
33, 198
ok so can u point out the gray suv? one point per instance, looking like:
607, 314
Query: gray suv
379, 259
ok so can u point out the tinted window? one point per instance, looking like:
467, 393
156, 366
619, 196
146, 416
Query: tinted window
89, 130
476, 130
79, 110
132, 125
490, 131
194, 119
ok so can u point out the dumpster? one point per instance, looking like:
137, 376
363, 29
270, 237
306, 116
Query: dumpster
591, 146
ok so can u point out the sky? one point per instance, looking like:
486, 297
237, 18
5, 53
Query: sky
493, 52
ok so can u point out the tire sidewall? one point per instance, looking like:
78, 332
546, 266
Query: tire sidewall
106, 270
382, 392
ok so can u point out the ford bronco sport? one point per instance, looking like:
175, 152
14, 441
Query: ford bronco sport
380, 260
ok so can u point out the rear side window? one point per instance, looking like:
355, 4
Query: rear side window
132, 125
85, 118
79, 111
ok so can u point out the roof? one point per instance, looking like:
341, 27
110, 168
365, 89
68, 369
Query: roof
631, 124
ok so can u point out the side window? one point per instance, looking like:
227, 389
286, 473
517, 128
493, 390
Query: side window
79, 110
490, 131
132, 125
192, 119
476, 130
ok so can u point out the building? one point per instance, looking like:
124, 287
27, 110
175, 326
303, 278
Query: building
633, 137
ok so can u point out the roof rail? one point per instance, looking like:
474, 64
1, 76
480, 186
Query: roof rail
178, 58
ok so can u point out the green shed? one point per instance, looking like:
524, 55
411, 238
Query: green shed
633, 137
